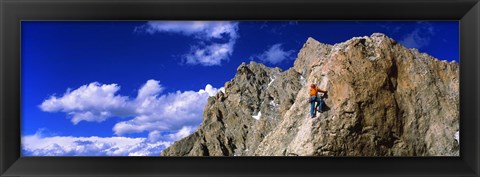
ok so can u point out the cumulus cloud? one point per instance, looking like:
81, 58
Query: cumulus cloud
149, 111
167, 112
92, 102
209, 55
182, 133
419, 37
216, 39
151, 88
274, 55
211, 91
200, 29
39, 145
166, 117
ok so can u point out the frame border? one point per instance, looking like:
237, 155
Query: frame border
14, 11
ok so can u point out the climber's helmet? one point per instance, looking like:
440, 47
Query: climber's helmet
312, 86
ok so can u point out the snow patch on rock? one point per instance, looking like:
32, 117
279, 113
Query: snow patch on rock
258, 115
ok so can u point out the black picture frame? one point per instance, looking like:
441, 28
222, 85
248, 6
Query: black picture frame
14, 11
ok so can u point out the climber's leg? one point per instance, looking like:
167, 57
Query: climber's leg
320, 105
312, 106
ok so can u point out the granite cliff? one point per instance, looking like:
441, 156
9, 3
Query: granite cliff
383, 100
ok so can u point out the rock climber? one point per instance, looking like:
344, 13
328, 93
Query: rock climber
315, 98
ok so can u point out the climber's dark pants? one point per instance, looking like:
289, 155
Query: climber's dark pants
313, 100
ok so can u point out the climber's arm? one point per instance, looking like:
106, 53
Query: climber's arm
320, 90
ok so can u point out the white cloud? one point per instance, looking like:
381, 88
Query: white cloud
206, 52
210, 90
92, 102
419, 37
39, 145
182, 133
150, 111
168, 112
275, 54
151, 88
201, 29
209, 55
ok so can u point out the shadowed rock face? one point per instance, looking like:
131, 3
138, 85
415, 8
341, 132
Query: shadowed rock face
383, 100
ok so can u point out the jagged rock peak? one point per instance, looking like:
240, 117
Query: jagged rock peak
254, 66
383, 100
253, 104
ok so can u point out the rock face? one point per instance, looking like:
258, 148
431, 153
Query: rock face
383, 100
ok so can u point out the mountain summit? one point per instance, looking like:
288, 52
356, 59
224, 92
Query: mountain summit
383, 100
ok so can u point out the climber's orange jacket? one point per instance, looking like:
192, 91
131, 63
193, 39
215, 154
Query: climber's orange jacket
314, 91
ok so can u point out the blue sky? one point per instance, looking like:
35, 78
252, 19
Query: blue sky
134, 87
